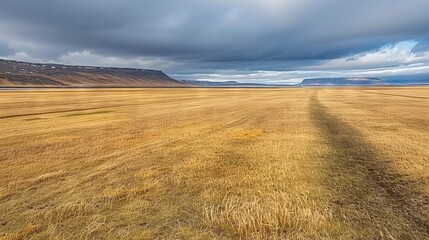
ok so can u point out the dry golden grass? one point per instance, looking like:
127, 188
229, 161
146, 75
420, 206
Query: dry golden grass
305, 163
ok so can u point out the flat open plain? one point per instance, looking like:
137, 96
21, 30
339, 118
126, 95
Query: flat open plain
298, 163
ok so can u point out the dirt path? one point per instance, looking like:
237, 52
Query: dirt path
371, 194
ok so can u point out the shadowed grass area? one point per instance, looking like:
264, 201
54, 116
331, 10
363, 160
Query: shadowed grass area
86, 113
370, 188
33, 119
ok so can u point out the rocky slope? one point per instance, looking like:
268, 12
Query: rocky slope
23, 74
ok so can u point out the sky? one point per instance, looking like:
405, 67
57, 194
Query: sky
260, 41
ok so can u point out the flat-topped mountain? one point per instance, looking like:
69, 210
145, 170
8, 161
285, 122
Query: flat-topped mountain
342, 81
24, 74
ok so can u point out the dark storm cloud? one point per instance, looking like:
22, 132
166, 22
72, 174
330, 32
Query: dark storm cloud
4, 49
192, 36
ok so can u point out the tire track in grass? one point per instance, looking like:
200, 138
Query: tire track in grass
56, 111
100, 169
369, 192
395, 95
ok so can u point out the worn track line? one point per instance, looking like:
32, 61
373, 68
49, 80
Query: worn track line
395, 95
360, 158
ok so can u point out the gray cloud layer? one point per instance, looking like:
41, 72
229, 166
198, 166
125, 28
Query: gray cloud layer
204, 38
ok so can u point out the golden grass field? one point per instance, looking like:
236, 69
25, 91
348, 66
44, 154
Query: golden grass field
297, 163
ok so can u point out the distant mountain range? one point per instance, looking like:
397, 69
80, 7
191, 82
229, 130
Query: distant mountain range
23, 74
351, 81
407, 81
228, 84
359, 81
342, 81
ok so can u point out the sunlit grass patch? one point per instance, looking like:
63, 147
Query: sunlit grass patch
245, 133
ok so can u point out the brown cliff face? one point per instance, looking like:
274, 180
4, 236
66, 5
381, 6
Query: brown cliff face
23, 74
